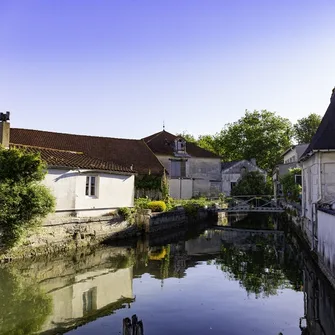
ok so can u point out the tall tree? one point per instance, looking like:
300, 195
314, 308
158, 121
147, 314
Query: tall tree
259, 134
188, 137
306, 127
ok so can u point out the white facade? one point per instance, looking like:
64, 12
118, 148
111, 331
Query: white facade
69, 188
326, 242
200, 176
318, 181
86, 295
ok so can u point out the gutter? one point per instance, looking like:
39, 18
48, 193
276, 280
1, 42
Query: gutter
80, 170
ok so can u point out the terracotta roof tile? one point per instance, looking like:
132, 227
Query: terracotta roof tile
122, 152
162, 143
62, 158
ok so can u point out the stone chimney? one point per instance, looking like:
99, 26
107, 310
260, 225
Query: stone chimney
253, 161
4, 129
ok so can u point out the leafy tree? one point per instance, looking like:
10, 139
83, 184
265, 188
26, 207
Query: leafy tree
291, 189
251, 183
259, 134
209, 143
187, 137
306, 127
23, 200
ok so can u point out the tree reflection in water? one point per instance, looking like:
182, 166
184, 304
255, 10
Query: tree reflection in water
23, 306
257, 266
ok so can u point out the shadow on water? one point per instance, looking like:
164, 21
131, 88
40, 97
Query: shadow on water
60, 294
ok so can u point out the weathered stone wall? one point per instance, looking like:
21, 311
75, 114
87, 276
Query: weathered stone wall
156, 222
61, 234
66, 233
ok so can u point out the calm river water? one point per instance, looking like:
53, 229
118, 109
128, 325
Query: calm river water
211, 280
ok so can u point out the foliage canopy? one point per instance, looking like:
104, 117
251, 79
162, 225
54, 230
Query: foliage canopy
291, 189
306, 127
23, 200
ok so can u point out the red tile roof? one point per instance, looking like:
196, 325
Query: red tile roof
62, 158
162, 143
114, 151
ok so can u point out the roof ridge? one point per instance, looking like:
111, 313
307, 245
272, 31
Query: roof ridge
153, 136
71, 134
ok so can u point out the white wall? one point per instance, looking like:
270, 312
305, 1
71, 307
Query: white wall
227, 179
326, 238
68, 302
181, 188
206, 173
310, 184
291, 156
68, 186
318, 174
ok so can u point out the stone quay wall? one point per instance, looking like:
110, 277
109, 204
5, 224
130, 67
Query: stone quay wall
60, 234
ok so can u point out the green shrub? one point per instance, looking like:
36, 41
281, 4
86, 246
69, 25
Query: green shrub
125, 212
170, 203
24, 202
142, 203
157, 206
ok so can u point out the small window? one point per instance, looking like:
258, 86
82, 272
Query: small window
298, 179
90, 300
178, 168
232, 185
91, 186
243, 170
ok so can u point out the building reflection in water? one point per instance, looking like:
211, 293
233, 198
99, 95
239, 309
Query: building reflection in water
84, 288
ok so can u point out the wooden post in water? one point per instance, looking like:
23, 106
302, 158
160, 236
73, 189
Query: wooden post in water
133, 327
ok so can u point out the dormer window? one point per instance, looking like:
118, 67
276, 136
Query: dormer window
180, 145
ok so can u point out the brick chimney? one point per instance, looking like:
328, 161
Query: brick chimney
4, 129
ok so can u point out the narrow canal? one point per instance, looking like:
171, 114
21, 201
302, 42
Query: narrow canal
244, 276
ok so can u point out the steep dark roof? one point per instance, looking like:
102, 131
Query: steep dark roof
62, 158
324, 138
115, 151
162, 143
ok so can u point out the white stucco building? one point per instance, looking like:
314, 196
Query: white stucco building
192, 171
318, 188
234, 170
290, 160
83, 185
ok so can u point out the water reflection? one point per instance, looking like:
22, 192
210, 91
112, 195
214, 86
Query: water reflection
53, 296
23, 298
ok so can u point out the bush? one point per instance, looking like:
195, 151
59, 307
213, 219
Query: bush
157, 206
125, 212
142, 203
23, 200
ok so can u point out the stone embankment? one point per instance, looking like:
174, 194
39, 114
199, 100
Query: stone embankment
60, 234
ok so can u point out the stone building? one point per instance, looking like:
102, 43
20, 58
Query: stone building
234, 170
192, 171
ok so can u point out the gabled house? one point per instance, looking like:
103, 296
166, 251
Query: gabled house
318, 187
88, 175
233, 171
192, 171
290, 159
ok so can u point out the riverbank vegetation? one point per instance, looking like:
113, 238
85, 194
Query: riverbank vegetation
24, 201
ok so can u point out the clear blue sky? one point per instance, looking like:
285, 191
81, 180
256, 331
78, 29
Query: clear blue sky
119, 68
